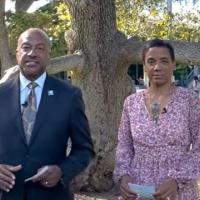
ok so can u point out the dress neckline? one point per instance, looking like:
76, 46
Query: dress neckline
167, 106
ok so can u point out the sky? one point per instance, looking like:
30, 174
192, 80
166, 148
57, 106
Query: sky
184, 7
34, 6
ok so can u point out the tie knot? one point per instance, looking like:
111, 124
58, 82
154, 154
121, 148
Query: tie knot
32, 85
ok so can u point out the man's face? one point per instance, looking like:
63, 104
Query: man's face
32, 54
159, 65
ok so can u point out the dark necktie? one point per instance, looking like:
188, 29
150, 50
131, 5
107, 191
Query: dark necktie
29, 111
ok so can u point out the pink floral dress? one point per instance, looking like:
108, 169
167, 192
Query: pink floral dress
150, 152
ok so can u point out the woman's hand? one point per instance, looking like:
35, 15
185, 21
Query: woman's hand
125, 192
167, 190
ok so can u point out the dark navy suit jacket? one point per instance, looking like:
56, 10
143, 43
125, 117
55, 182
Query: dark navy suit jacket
60, 116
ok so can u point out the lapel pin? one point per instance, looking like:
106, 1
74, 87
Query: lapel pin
50, 93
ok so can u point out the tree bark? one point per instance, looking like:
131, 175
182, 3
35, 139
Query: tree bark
103, 80
66, 63
185, 52
4, 48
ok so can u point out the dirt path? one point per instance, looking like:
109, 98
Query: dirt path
96, 196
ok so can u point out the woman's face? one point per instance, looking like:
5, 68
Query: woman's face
159, 66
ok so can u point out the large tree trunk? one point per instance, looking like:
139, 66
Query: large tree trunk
4, 49
103, 80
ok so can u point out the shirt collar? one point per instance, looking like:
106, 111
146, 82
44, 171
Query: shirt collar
24, 81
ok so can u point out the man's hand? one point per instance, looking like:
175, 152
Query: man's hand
49, 177
167, 190
125, 192
7, 176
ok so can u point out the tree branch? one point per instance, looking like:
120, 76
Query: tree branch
64, 63
131, 50
56, 65
185, 52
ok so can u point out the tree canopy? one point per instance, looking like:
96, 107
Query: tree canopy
53, 18
149, 19
135, 18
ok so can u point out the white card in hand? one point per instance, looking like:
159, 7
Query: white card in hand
144, 192
40, 173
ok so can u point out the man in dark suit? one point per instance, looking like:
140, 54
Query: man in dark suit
35, 125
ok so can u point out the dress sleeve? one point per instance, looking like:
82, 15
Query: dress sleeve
125, 149
189, 168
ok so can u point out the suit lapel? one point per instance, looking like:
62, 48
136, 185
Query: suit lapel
48, 98
16, 108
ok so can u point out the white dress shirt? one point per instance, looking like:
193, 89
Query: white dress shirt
24, 90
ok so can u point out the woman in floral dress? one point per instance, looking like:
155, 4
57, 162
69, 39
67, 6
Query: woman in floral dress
159, 133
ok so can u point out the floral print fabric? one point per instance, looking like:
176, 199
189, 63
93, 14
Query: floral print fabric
150, 152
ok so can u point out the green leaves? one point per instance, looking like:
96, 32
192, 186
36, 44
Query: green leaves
144, 19
54, 19
149, 19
